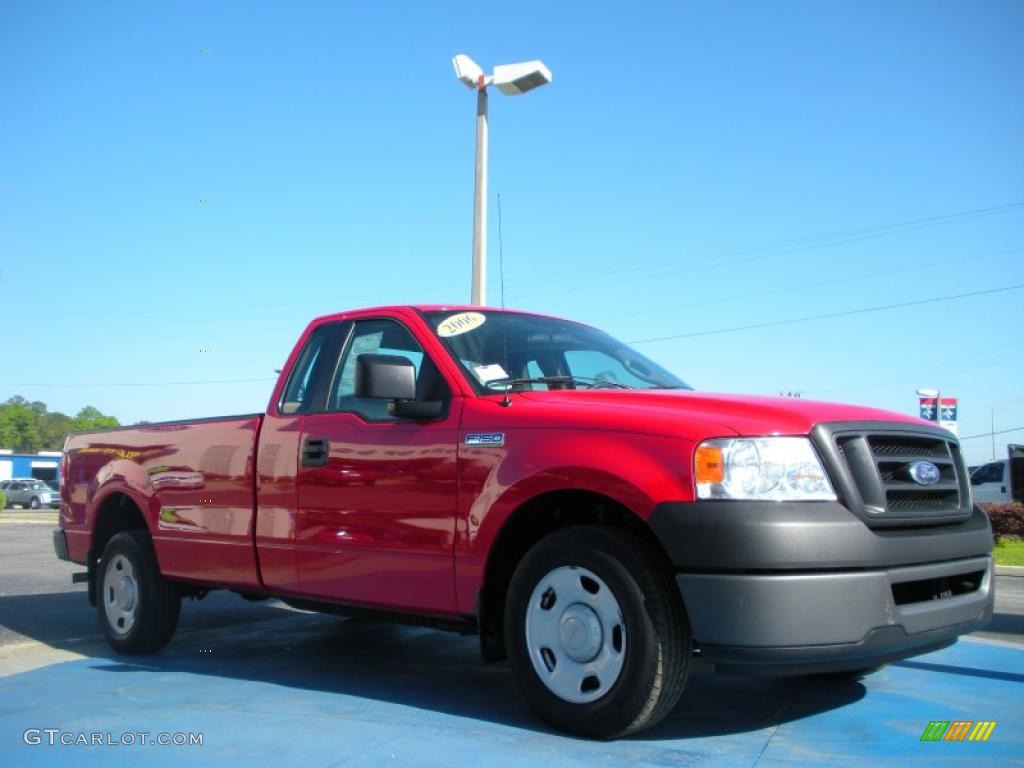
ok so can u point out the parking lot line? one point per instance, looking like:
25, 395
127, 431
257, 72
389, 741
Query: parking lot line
32, 518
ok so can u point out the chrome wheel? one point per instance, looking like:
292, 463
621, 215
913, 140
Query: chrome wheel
120, 595
575, 634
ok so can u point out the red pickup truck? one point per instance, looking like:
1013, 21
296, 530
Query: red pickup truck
535, 481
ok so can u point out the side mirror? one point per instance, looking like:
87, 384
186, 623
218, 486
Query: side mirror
386, 377
417, 409
393, 378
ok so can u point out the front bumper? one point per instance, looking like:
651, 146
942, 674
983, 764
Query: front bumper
803, 587
829, 621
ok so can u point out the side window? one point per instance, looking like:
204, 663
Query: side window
383, 337
989, 473
313, 369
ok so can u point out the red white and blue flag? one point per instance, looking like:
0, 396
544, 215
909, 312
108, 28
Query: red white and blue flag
949, 405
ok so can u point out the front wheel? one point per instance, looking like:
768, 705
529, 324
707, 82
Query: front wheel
138, 609
596, 632
34, 503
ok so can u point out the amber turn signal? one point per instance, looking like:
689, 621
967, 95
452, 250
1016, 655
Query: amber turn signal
707, 465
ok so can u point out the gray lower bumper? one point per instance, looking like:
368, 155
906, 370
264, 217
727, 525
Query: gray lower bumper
834, 619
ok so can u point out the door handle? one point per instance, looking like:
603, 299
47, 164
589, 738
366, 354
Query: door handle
315, 452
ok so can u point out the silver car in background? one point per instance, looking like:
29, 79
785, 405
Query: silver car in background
32, 494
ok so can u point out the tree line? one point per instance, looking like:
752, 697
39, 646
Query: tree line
27, 427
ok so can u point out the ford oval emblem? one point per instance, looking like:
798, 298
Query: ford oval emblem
924, 473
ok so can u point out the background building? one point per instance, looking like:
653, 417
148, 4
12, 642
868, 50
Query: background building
44, 465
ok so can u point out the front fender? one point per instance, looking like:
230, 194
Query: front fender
637, 471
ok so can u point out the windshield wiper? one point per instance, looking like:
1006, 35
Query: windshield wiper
586, 381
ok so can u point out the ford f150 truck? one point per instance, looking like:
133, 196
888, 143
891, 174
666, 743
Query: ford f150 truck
535, 481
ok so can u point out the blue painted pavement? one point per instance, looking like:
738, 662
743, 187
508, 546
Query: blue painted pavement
319, 691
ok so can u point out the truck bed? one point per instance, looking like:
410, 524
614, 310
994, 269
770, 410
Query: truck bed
193, 481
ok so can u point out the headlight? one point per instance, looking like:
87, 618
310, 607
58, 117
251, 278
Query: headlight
765, 468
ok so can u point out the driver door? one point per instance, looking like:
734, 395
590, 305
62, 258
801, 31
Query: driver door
377, 493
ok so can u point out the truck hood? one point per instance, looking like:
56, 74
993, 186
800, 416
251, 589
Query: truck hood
700, 414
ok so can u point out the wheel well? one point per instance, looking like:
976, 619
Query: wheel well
117, 513
530, 523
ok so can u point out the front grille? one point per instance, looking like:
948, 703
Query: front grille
883, 445
871, 463
901, 501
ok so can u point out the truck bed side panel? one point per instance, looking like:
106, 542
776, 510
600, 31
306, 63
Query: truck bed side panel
192, 481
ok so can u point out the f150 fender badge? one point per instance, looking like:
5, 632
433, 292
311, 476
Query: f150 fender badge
485, 439
925, 473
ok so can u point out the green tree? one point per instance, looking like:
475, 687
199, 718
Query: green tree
92, 418
53, 428
18, 428
27, 426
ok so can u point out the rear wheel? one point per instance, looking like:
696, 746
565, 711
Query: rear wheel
596, 632
138, 609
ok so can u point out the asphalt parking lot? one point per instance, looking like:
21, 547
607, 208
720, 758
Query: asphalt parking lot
262, 682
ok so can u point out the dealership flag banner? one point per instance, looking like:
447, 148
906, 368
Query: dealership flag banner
947, 417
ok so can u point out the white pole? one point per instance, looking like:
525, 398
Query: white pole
478, 294
992, 431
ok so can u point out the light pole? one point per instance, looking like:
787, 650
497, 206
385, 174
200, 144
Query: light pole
510, 79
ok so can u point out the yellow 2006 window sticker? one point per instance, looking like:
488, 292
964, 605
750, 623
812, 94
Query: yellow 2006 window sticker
460, 323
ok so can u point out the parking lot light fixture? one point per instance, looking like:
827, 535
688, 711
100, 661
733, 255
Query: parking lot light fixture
512, 80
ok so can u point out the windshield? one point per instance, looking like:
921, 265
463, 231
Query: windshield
502, 350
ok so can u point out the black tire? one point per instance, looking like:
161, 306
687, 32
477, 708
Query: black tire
34, 503
657, 640
148, 624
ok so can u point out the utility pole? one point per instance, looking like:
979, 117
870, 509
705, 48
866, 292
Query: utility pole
478, 293
992, 432
512, 80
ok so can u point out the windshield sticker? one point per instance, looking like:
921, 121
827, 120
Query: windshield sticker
460, 323
486, 373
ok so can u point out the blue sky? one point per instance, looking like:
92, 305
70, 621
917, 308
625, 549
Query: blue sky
692, 167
